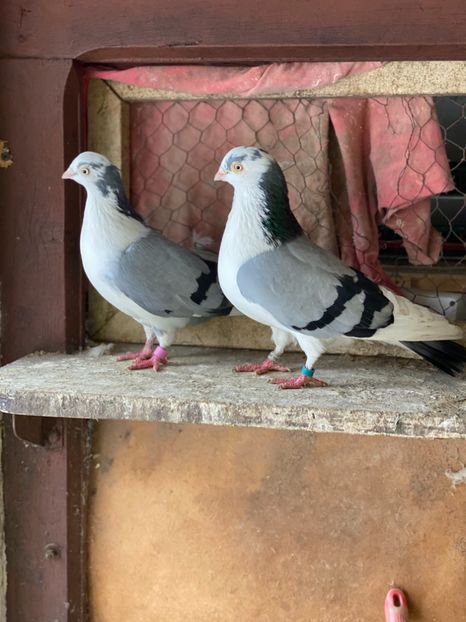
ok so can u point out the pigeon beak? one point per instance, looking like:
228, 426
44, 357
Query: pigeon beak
220, 175
68, 174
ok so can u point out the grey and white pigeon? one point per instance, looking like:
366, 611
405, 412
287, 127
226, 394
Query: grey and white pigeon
161, 285
272, 273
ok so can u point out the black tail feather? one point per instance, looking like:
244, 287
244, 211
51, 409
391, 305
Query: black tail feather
448, 356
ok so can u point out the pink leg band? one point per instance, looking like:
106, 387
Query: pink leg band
160, 352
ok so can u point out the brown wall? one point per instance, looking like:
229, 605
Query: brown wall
202, 524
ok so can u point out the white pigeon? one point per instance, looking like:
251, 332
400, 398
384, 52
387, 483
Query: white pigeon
161, 285
272, 273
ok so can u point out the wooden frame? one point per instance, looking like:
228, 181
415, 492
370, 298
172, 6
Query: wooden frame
42, 45
195, 30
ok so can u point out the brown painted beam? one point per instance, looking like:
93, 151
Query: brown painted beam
44, 479
45, 520
354, 29
198, 54
39, 216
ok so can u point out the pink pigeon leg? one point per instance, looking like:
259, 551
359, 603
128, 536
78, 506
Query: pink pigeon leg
281, 340
266, 366
305, 379
145, 353
156, 361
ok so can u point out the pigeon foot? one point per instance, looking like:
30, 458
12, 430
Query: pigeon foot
154, 361
261, 368
157, 360
145, 353
131, 356
299, 382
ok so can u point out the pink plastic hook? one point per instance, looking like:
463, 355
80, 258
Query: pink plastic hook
396, 606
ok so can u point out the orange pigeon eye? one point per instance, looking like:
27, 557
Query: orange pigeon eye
237, 167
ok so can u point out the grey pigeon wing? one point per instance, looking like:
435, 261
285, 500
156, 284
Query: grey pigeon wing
309, 290
168, 280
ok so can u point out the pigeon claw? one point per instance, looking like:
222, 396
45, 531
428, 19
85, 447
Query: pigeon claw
261, 368
132, 356
145, 353
154, 361
299, 382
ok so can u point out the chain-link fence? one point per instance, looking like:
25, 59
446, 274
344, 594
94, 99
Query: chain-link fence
379, 181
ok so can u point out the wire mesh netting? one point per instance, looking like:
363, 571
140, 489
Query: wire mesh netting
379, 181
178, 146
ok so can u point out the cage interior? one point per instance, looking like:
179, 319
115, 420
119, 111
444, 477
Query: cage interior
379, 180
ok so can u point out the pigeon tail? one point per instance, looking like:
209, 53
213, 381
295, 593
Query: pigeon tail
448, 356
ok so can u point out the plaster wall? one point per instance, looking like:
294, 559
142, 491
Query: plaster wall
199, 523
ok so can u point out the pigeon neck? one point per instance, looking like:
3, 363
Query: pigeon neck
107, 226
124, 206
277, 219
111, 187
244, 234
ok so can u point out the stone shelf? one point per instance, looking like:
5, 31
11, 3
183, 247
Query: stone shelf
368, 395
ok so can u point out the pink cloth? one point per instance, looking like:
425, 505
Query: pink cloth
350, 164
394, 160
227, 82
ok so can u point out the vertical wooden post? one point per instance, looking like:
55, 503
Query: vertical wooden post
41, 304
39, 220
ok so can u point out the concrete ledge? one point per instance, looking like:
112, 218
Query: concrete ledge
376, 395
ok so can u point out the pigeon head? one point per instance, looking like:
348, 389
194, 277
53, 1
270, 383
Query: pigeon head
260, 186
244, 166
93, 171
101, 179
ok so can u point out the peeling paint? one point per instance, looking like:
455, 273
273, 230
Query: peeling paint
6, 158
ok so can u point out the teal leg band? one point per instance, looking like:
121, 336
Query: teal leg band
307, 372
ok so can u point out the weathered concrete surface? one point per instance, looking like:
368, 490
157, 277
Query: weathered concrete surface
201, 524
367, 395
